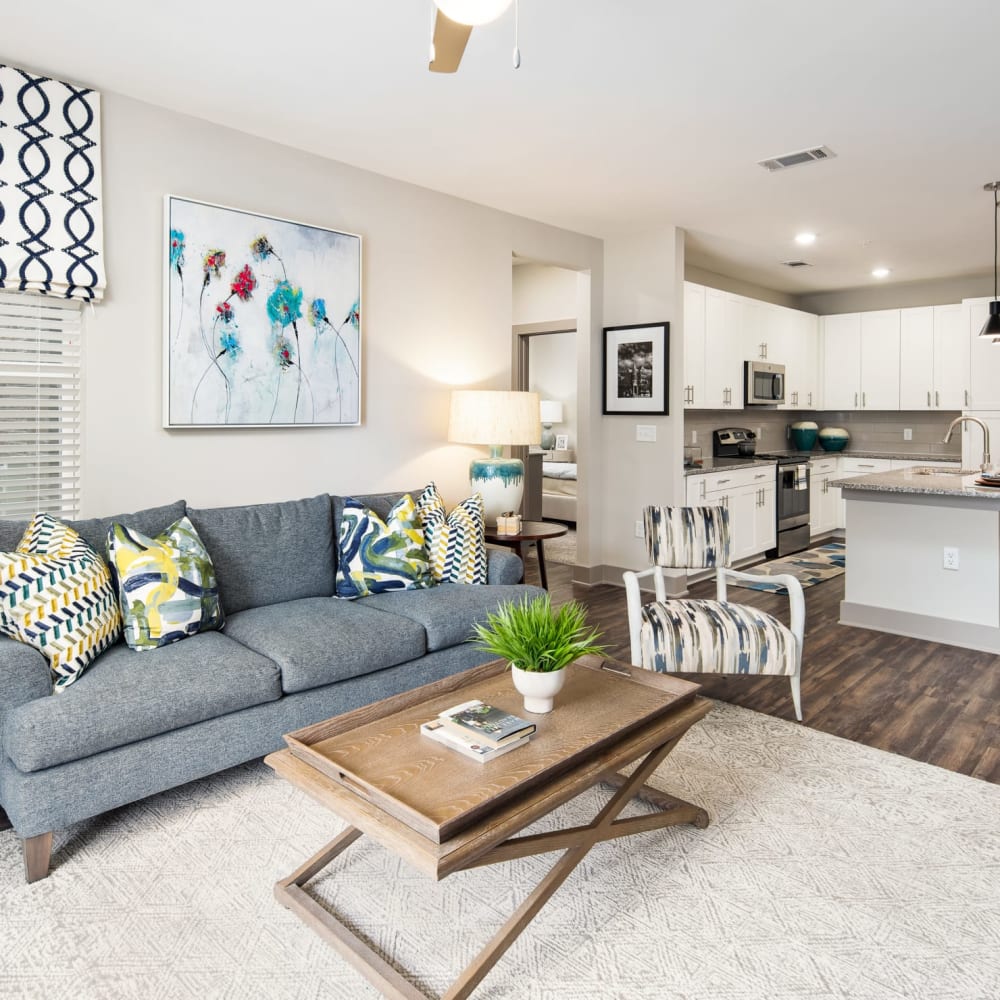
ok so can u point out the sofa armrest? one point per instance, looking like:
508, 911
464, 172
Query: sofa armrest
503, 566
24, 674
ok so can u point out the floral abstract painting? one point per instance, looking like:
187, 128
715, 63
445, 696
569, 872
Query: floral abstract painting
262, 320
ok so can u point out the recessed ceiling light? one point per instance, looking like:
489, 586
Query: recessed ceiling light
805, 239
881, 272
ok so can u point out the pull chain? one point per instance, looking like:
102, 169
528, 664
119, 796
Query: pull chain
517, 51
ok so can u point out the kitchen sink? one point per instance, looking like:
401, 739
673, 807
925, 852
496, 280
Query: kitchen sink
928, 470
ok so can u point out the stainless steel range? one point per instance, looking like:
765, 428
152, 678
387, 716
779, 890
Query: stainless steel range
733, 445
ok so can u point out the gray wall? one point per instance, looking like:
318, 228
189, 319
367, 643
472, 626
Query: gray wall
897, 296
737, 287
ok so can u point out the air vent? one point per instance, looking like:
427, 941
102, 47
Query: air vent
796, 263
794, 159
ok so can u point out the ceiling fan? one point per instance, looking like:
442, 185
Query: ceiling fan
453, 24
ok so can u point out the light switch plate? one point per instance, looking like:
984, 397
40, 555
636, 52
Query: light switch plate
645, 432
907, 433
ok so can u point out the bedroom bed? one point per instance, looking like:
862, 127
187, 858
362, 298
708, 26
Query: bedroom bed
559, 491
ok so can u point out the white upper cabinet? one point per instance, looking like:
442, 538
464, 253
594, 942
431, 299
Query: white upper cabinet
694, 345
841, 357
861, 361
713, 353
984, 377
800, 355
934, 359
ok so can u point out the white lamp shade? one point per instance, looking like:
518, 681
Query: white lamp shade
552, 411
494, 417
472, 11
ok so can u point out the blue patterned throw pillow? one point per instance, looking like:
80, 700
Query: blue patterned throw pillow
166, 584
376, 555
456, 541
56, 594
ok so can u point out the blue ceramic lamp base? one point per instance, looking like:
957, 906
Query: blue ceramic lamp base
500, 482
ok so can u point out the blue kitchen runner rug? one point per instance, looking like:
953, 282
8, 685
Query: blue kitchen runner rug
810, 567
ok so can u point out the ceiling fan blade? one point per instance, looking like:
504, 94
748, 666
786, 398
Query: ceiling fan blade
449, 44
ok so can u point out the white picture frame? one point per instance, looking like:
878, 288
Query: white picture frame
562, 442
261, 320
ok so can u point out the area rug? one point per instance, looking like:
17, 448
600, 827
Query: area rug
810, 567
830, 871
561, 549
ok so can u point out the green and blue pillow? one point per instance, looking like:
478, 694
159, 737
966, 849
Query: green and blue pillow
166, 585
376, 556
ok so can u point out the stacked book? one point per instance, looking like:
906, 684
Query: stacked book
478, 730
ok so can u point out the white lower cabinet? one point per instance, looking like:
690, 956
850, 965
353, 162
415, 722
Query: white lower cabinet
824, 499
750, 496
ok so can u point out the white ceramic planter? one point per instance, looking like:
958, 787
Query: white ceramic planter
539, 689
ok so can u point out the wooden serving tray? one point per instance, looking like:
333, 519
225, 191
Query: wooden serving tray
379, 754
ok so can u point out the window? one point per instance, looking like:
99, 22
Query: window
39, 405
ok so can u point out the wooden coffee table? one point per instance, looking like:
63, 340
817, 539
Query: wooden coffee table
444, 813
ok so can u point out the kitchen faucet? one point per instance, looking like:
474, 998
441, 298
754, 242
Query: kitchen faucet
985, 467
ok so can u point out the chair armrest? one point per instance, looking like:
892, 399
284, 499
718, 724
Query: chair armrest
633, 602
796, 599
24, 674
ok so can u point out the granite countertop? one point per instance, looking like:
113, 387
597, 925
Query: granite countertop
899, 456
911, 482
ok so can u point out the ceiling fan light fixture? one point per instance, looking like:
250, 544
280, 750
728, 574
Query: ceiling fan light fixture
472, 12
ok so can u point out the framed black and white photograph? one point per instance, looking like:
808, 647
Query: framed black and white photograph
636, 368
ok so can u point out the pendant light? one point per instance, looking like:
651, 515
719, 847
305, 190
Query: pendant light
991, 328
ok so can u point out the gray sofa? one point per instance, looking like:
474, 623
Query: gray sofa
291, 654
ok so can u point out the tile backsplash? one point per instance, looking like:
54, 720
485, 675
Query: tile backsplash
870, 431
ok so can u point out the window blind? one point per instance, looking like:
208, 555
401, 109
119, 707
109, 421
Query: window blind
40, 369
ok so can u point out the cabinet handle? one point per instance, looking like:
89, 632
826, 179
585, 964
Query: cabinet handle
765, 351
937, 398
725, 501
865, 465
928, 397
864, 399
855, 400
810, 399
966, 397
761, 475
722, 482
702, 490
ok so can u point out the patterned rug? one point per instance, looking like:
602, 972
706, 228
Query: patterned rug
810, 567
830, 871
561, 549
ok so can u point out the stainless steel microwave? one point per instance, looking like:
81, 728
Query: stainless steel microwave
765, 383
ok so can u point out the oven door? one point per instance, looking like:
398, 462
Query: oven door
793, 495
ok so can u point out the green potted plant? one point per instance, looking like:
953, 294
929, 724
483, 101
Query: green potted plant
537, 643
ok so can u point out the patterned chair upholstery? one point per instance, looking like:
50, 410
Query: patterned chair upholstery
708, 636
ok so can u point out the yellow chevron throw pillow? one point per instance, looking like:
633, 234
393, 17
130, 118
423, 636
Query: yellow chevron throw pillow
56, 594
456, 542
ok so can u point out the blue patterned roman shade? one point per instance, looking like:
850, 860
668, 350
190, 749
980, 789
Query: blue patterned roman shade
51, 234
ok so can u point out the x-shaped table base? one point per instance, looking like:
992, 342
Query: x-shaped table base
576, 842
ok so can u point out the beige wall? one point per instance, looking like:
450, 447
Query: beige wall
643, 283
436, 313
543, 294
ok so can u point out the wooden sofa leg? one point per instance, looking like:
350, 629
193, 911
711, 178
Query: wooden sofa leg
37, 855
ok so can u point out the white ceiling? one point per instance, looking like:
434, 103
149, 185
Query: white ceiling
625, 114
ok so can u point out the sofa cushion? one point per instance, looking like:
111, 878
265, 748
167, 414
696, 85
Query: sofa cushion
376, 555
321, 640
456, 541
447, 611
56, 594
94, 530
166, 585
125, 697
269, 553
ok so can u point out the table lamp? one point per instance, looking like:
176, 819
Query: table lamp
495, 418
552, 413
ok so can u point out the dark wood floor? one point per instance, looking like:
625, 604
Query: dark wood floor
933, 703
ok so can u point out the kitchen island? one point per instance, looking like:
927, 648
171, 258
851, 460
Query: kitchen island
924, 556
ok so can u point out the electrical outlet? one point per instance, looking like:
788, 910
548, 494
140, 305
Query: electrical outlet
788, 432
758, 433
950, 560
639, 532
694, 436
645, 432
907, 433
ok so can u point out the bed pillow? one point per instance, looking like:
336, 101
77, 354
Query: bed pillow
166, 585
56, 594
456, 541
376, 556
